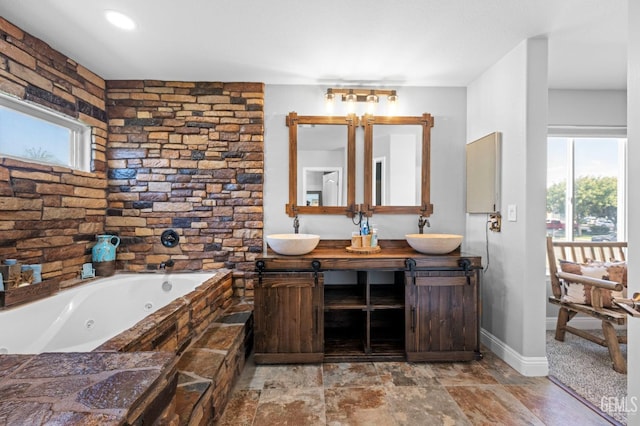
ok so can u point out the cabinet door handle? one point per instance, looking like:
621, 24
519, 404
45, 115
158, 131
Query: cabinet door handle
413, 318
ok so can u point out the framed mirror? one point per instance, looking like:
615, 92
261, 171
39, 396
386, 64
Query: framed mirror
397, 164
321, 164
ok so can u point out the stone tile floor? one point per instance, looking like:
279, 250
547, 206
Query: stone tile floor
487, 392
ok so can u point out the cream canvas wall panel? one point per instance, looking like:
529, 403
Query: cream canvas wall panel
483, 174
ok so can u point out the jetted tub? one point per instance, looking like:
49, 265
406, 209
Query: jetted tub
82, 318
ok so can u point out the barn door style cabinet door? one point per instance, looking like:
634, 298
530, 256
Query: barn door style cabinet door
288, 317
333, 305
442, 313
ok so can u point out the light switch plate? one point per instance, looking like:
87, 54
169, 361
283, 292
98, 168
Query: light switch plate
512, 213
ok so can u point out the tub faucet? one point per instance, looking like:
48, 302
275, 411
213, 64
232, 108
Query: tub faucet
422, 221
296, 224
168, 264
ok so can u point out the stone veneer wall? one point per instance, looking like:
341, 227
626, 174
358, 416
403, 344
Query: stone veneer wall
188, 157
49, 214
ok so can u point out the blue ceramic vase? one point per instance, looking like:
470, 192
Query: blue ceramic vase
105, 248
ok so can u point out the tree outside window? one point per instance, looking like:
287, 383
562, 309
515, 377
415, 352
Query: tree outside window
584, 181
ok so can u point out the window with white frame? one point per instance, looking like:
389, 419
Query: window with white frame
586, 193
31, 133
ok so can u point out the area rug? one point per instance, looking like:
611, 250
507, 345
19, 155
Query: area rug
585, 368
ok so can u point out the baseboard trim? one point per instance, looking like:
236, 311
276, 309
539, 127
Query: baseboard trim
527, 366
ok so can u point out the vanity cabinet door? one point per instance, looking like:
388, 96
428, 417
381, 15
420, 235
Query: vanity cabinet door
442, 316
288, 309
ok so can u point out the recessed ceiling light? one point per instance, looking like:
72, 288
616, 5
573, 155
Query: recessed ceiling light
120, 20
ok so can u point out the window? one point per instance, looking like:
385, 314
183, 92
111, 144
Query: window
32, 133
586, 188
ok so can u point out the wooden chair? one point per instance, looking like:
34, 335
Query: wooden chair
581, 252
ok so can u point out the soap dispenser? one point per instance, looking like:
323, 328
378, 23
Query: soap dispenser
374, 235
364, 227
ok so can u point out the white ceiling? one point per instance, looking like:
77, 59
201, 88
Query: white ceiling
331, 42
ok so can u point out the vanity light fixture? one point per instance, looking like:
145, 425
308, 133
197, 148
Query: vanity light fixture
329, 100
350, 98
119, 20
392, 101
393, 98
329, 97
372, 100
353, 95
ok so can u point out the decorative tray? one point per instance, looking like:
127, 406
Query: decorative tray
363, 250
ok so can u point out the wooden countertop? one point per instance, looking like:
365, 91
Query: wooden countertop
332, 254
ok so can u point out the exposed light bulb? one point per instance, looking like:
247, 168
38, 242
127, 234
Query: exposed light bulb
392, 102
392, 98
329, 100
351, 99
329, 97
372, 100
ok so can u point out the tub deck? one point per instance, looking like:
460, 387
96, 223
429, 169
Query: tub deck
88, 388
124, 382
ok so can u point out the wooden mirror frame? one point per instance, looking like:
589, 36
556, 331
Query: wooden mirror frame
351, 121
425, 208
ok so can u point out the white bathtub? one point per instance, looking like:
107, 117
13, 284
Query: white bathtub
83, 317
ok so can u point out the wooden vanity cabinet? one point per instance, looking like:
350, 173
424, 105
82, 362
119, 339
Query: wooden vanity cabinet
442, 315
394, 305
288, 317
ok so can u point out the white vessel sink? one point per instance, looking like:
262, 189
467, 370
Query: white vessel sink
434, 243
292, 244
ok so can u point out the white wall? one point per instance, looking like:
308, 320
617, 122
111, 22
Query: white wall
512, 97
588, 108
633, 200
448, 138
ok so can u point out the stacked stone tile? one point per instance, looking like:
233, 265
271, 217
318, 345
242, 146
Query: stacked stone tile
180, 155
106, 389
209, 368
174, 326
188, 157
49, 214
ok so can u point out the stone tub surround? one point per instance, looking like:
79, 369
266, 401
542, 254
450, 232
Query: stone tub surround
181, 155
187, 156
210, 366
172, 327
200, 344
105, 388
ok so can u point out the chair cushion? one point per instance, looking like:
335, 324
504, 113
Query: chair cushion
581, 293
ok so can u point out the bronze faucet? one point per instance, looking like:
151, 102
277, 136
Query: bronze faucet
168, 264
421, 222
